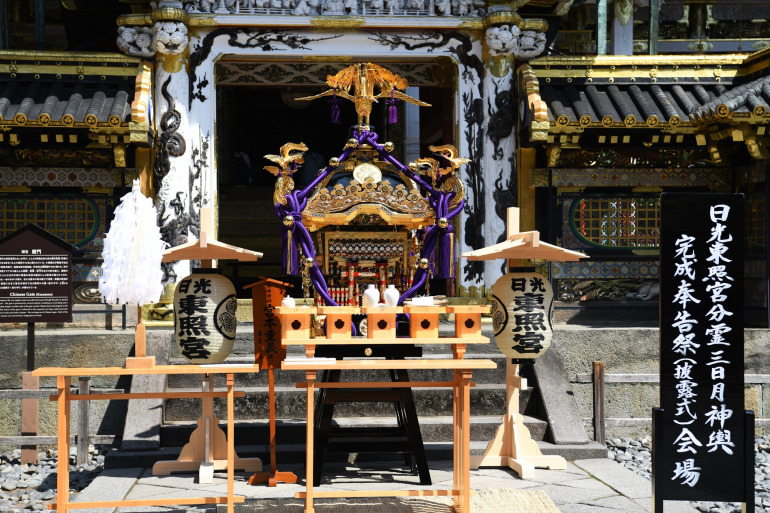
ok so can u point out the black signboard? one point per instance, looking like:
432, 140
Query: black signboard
35, 277
701, 450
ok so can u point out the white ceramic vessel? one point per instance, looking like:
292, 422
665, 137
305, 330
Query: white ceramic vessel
390, 296
371, 296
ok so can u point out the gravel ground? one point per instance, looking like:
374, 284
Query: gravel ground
26, 487
635, 455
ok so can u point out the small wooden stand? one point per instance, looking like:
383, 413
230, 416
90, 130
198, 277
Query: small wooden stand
381, 321
512, 445
295, 322
467, 319
208, 442
338, 321
423, 320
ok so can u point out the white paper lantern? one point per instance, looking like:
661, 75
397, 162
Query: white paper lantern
204, 316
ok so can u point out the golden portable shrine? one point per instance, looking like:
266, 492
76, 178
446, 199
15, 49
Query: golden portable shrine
366, 218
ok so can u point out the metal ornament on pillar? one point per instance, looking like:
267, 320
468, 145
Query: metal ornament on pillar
204, 316
522, 311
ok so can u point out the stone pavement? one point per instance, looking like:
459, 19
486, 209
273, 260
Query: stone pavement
586, 486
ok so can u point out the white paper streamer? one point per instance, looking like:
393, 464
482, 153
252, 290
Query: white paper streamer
133, 249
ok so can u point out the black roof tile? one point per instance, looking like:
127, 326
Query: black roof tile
66, 102
687, 100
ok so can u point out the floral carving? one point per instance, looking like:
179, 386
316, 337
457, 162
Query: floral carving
340, 198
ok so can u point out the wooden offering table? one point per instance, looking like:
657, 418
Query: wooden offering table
461, 383
63, 397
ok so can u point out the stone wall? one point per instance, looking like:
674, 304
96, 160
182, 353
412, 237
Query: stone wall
65, 348
635, 351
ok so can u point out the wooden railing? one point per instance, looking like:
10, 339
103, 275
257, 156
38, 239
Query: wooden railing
82, 439
599, 378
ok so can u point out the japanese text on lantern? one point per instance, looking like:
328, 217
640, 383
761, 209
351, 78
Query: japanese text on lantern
529, 325
192, 319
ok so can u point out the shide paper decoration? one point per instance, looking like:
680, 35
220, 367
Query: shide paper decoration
133, 248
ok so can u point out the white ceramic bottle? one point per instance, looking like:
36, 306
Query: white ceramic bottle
289, 302
390, 296
371, 296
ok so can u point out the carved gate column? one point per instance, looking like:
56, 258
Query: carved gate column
499, 137
507, 39
177, 215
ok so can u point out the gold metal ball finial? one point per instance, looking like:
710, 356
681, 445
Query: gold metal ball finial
443, 222
389, 146
423, 263
288, 221
413, 167
334, 162
309, 262
352, 142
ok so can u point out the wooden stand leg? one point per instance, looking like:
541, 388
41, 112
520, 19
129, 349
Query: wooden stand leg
140, 360
309, 427
273, 477
512, 445
462, 440
206, 449
230, 443
30, 416
63, 445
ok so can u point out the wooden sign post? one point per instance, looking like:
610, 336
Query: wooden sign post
703, 440
521, 317
266, 295
35, 286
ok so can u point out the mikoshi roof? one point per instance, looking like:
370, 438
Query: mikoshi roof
684, 94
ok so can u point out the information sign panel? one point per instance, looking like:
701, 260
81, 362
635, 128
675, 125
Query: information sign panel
699, 433
35, 277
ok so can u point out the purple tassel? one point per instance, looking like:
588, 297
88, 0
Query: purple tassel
445, 252
392, 109
335, 106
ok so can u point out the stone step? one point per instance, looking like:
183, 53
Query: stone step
290, 403
295, 453
292, 431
